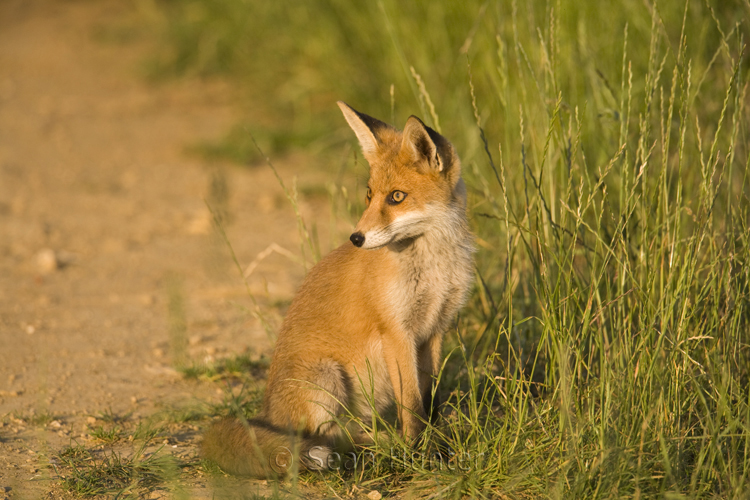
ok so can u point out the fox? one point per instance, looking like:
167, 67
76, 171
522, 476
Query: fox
365, 329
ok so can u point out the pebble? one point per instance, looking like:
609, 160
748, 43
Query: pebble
46, 261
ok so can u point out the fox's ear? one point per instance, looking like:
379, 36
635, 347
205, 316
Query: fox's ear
367, 128
422, 143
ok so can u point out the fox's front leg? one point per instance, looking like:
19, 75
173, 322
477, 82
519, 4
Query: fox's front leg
429, 366
401, 359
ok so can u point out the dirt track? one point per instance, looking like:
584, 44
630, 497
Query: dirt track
102, 220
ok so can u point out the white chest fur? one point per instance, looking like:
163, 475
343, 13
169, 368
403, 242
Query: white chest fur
434, 279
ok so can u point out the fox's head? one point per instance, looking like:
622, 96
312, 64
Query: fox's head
415, 181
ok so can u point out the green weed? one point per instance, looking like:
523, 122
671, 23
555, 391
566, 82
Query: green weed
111, 435
110, 417
245, 402
148, 430
35, 419
232, 367
85, 474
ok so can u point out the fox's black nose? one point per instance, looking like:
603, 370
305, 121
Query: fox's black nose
358, 239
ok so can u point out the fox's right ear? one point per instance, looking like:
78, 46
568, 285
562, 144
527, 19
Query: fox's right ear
367, 128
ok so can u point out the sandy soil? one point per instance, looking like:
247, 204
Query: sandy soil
102, 223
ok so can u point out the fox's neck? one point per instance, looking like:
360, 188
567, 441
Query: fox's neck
448, 232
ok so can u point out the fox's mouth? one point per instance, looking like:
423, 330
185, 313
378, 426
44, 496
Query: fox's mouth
378, 240
402, 228
372, 240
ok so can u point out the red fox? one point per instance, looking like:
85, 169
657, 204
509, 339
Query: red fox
367, 323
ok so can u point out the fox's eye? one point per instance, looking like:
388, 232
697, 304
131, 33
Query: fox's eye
397, 197
369, 194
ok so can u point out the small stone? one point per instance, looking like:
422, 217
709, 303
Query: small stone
374, 495
46, 261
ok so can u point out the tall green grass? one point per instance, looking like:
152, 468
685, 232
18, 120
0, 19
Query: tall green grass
605, 352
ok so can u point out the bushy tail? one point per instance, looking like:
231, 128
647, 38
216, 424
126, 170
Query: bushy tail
254, 448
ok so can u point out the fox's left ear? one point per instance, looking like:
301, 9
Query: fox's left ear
422, 144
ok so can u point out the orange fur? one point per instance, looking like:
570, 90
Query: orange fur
369, 318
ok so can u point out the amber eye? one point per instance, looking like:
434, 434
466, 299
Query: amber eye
397, 197
369, 194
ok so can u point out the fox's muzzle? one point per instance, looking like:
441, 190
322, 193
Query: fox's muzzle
358, 239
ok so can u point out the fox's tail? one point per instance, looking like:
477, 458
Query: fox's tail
255, 448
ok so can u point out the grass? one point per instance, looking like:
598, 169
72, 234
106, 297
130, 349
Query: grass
110, 417
35, 419
605, 352
241, 377
131, 458
111, 435
86, 474
239, 366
